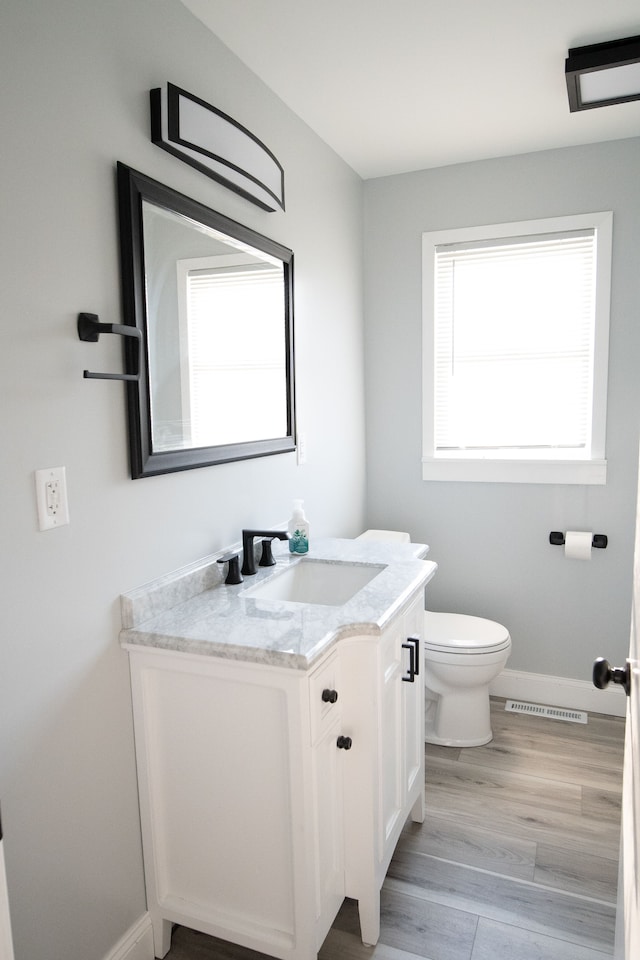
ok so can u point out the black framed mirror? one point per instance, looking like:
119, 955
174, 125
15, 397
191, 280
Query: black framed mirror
214, 303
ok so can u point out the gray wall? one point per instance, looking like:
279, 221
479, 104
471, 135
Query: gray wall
491, 540
74, 99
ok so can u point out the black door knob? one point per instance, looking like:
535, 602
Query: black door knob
344, 743
329, 696
604, 673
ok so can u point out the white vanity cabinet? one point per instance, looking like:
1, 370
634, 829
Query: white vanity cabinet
268, 793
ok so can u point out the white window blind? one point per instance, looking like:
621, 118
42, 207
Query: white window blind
514, 326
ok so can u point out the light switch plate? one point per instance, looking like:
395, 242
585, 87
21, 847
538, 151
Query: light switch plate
51, 497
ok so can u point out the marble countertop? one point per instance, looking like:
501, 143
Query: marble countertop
193, 611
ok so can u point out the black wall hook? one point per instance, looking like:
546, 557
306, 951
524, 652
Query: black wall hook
89, 330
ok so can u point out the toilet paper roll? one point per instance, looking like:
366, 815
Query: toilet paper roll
577, 544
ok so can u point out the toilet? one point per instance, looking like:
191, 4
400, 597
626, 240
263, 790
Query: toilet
462, 655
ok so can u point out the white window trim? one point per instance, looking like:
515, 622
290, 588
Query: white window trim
491, 469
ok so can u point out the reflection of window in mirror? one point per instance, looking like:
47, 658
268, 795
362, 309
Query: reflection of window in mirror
232, 349
218, 346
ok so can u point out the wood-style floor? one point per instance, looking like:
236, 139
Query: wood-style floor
517, 858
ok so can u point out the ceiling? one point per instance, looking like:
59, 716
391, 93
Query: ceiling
400, 85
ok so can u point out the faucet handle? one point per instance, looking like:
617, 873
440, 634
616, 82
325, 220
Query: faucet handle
233, 573
266, 560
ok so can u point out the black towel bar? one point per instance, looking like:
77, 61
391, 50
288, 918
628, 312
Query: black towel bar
89, 330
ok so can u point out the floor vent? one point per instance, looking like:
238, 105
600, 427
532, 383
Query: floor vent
554, 713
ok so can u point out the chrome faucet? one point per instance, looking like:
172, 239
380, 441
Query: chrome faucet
266, 560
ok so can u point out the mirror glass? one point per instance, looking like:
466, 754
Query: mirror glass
213, 300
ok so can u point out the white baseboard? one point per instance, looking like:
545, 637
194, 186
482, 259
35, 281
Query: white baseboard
559, 692
136, 944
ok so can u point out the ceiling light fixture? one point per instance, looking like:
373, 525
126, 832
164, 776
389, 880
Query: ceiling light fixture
603, 73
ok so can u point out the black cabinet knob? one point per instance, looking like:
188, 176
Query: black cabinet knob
344, 743
604, 674
329, 696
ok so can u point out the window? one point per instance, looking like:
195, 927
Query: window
515, 343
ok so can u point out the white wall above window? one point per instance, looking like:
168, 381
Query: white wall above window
515, 351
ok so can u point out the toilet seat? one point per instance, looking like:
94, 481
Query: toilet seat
461, 634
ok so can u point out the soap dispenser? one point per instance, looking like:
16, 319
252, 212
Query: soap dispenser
298, 529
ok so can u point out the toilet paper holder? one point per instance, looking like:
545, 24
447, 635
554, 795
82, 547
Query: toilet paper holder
600, 540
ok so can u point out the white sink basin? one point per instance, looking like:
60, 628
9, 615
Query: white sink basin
316, 581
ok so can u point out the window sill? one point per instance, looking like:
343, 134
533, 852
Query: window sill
516, 471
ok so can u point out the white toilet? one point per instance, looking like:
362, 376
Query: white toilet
462, 655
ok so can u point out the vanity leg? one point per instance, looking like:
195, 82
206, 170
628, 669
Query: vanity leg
418, 809
161, 936
369, 913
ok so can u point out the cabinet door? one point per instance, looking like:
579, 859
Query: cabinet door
384, 779
325, 712
223, 750
401, 727
390, 733
413, 708
327, 769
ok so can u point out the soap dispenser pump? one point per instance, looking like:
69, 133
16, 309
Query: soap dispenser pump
298, 529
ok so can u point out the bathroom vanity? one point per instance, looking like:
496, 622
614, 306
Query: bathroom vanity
280, 743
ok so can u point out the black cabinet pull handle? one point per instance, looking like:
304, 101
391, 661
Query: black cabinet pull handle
416, 660
329, 696
344, 743
604, 673
410, 676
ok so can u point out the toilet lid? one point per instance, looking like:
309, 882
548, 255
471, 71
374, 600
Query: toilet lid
464, 634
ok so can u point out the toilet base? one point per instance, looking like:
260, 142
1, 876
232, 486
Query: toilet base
446, 742
458, 720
